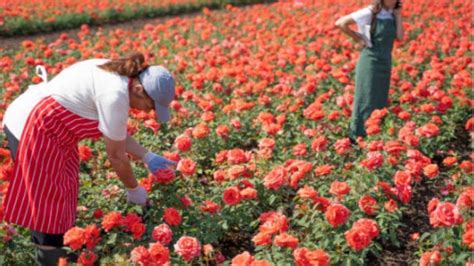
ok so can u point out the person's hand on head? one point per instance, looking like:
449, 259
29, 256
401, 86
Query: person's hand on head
155, 162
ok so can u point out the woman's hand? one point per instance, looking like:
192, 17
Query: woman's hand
137, 195
155, 162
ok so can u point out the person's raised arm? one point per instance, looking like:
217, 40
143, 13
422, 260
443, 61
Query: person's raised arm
343, 23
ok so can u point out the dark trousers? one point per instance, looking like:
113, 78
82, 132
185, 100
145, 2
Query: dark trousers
55, 240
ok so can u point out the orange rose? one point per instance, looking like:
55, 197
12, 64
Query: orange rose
159, 254
87, 258
357, 238
187, 167
111, 220
428, 130
402, 178
300, 150
430, 258
431, 171
339, 188
74, 238
266, 143
307, 192
231, 196
449, 161
305, 257
390, 205
200, 131
323, 170
172, 216
243, 259
248, 193
237, 156
222, 131
319, 144
140, 255
209, 207
337, 214
286, 240
446, 214
188, 247
162, 234
466, 198
262, 239
276, 178
183, 142
368, 204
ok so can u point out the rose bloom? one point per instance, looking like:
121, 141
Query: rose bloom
222, 131
209, 207
468, 238
300, 150
402, 178
236, 171
137, 230
449, 161
390, 205
219, 175
91, 236
188, 247
242, 259
171, 156
466, 198
307, 192
85, 153
430, 258
164, 176
368, 225
446, 214
186, 201
74, 238
262, 239
87, 258
429, 130
337, 214
248, 193
286, 240
368, 204
231, 196
159, 254
431, 171
305, 257
237, 156
172, 216
404, 193
221, 156
163, 234
323, 170
342, 146
432, 204
266, 143
140, 255
200, 131
339, 188
187, 167
357, 238
111, 220
273, 222
275, 178
183, 142
374, 160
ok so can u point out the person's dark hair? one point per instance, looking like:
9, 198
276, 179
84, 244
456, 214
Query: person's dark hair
129, 66
376, 8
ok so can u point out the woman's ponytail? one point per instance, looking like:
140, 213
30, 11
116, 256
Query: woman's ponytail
129, 66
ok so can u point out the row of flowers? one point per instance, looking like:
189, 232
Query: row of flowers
29, 17
266, 174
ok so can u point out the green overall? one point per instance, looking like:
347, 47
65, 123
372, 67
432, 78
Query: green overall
372, 76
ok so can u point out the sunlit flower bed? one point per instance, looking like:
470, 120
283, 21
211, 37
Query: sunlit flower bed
31, 16
266, 175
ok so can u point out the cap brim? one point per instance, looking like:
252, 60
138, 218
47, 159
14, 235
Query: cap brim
162, 112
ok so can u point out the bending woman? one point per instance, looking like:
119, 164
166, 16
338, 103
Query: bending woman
89, 99
378, 25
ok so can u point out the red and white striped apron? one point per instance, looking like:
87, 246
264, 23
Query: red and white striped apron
42, 194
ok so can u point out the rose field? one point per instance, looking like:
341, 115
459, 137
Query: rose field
266, 174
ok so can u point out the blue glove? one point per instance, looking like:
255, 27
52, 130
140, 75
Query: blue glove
155, 162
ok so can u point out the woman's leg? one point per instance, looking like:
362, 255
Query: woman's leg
49, 249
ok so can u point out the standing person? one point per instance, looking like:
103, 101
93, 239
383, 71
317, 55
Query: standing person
88, 99
379, 25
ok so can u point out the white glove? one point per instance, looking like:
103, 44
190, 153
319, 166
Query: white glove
137, 195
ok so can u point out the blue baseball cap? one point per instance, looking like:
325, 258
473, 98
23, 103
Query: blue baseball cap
159, 85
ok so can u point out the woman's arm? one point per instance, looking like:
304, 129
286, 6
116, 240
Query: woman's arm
399, 23
135, 148
116, 153
343, 23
